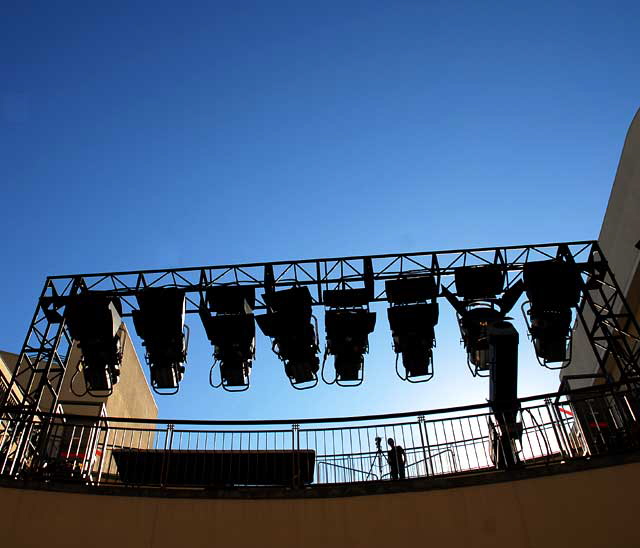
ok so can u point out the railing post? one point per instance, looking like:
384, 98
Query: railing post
105, 443
295, 456
425, 446
168, 443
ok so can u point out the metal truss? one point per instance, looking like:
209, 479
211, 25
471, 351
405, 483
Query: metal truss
609, 323
318, 274
603, 311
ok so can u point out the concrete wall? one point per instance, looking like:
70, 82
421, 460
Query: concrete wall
594, 508
618, 236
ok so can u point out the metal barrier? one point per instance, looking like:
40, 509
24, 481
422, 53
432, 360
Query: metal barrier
101, 451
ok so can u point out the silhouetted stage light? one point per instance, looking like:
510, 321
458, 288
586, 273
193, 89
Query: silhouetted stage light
348, 323
159, 322
412, 320
480, 308
492, 347
478, 283
94, 322
553, 288
232, 332
289, 324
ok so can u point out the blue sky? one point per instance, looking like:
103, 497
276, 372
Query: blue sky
156, 134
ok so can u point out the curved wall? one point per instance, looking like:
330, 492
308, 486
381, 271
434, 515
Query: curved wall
588, 508
619, 235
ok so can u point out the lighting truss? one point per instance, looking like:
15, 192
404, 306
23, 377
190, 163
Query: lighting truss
603, 312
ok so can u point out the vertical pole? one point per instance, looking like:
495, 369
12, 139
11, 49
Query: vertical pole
105, 443
168, 443
428, 443
424, 446
295, 445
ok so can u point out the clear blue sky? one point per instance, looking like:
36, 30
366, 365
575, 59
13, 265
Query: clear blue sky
155, 134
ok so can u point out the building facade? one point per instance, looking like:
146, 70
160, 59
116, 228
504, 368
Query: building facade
620, 241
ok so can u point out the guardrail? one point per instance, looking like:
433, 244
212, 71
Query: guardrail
101, 451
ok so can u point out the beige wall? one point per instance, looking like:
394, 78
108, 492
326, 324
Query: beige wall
6, 372
621, 225
618, 236
586, 509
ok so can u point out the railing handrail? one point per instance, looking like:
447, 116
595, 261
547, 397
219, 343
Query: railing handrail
91, 449
366, 474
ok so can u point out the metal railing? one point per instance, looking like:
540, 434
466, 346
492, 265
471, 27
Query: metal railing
100, 451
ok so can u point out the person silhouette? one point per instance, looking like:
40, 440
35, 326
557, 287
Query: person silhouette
396, 459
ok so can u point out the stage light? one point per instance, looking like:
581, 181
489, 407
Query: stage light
553, 288
94, 322
412, 320
474, 325
492, 348
479, 282
348, 323
159, 322
288, 323
478, 286
480, 308
232, 332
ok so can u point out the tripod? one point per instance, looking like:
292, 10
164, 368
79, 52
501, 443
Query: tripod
377, 458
